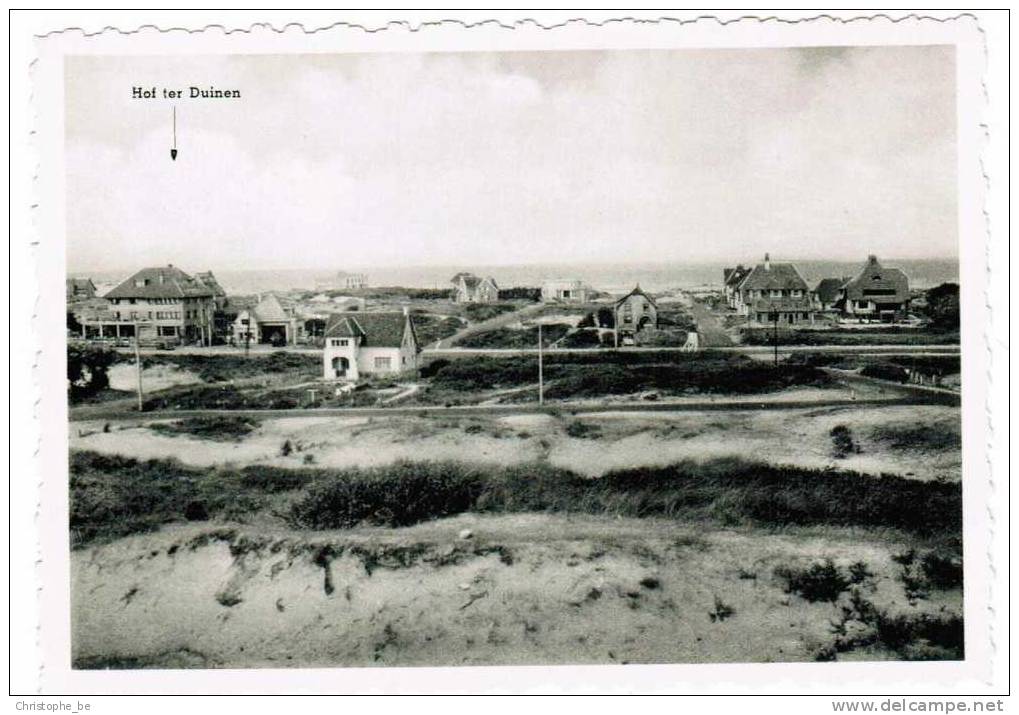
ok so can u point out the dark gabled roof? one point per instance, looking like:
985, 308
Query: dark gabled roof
775, 276
828, 289
162, 282
380, 330
874, 276
471, 281
733, 276
637, 291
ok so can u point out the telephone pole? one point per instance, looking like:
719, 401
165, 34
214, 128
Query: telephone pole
541, 375
774, 320
138, 367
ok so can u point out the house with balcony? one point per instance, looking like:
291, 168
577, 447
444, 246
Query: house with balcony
160, 304
774, 292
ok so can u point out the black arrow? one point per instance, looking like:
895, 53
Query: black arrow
173, 150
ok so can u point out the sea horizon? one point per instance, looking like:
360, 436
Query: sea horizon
619, 277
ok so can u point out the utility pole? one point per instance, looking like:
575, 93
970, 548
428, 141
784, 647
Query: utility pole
541, 375
774, 320
138, 366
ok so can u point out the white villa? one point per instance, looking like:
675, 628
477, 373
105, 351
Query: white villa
358, 344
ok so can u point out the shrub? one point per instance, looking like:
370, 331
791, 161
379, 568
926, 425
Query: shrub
480, 312
87, 370
842, 442
919, 437
721, 611
749, 492
509, 338
113, 495
221, 397
398, 495
820, 582
582, 430
223, 428
942, 571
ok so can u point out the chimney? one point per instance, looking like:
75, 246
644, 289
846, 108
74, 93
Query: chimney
767, 262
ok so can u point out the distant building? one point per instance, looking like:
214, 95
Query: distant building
80, 289
343, 281
266, 322
160, 303
774, 292
634, 312
731, 278
469, 288
564, 290
358, 344
877, 292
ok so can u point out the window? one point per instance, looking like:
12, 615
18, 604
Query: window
383, 363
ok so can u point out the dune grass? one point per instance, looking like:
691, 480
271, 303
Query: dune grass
116, 496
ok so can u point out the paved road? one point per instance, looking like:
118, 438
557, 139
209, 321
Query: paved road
752, 350
906, 397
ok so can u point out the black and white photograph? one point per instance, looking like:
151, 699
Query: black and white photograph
511, 355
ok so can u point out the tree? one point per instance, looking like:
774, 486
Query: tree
87, 370
943, 306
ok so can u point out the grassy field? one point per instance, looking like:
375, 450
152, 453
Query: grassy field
889, 335
570, 375
223, 368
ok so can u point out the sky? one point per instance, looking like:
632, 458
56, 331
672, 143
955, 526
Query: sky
622, 156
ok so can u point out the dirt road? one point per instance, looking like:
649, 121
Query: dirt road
709, 327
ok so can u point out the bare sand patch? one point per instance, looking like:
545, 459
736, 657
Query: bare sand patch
618, 440
123, 376
795, 437
525, 589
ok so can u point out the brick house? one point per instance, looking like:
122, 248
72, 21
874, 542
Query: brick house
358, 344
163, 304
634, 312
774, 290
